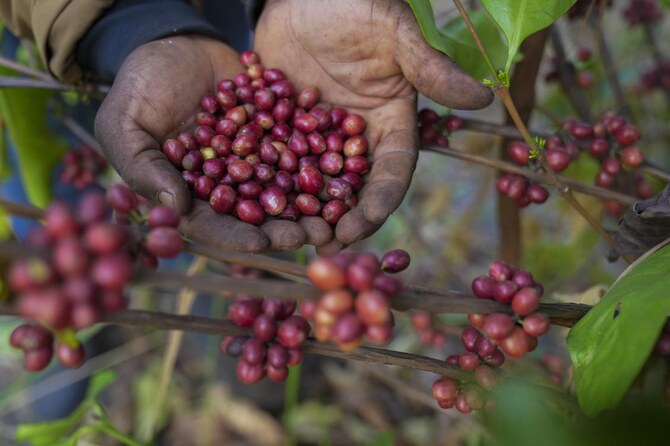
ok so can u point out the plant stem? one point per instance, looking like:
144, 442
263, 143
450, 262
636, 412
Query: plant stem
26, 70
478, 41
539, 177
610, 69
504, 94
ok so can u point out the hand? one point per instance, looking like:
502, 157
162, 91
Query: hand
155, 96
370, 58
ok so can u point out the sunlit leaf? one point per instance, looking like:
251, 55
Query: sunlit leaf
519, 19
612, 342
51, 432
24, 113
423, 12
464, 49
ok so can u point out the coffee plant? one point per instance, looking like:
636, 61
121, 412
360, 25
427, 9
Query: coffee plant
556, 327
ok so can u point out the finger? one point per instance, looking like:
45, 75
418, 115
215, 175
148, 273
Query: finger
137, 157
432, 73
318, 231
353, 227
283, 234
393, 160
331, 248
224, 231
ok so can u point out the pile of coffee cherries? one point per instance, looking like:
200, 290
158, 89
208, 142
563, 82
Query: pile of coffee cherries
492, 336
82, 263
81, 166
356, 299
263, 149
435, 129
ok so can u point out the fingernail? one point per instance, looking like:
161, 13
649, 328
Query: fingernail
166, 199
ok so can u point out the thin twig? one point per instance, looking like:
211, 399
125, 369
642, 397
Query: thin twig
24, 69
610, 68
475, 125
564, 314
566, 75
21, 82
80, 132
539, 177
656, 51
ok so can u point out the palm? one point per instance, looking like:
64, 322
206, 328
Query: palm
366, 56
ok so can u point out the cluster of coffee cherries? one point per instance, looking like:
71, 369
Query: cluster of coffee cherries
277, 335
657, 78
263, 149
435, 129
583, 7
642, 11
582, 65
356, 299
429, 332
555, 367
82, 264
611, 141
662, 347
81, 166
492, 336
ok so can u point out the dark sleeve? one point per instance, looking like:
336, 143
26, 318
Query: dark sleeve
131, 23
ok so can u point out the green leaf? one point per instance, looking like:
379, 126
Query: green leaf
665, 3
50, 432
24, 112
423, 12
519, 19
99, 383
612, 342
464, 49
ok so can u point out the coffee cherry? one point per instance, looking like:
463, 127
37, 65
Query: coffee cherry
627, 135
469, 337
503, 292
244, 313
536, 324
558, 160
347, 328
72, 357
482, 287
273, 200
333, 211
500, 271
525, 301
516, 344
372, 307
325, 274
38, 359
249, 373
112, 271
292, 332
164, 241
249, 211
445, 389
519, 152
599, 147
537, 193
631, 157
498, 326
395, 261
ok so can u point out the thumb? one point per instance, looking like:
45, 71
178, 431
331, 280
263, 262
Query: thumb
137, 157
432, 73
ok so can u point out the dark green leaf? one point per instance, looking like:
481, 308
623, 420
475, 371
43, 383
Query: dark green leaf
464, 49
519, 19
612, 342
24, 113
423, 12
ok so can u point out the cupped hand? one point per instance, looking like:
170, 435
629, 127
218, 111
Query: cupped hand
155, 96
370, 57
